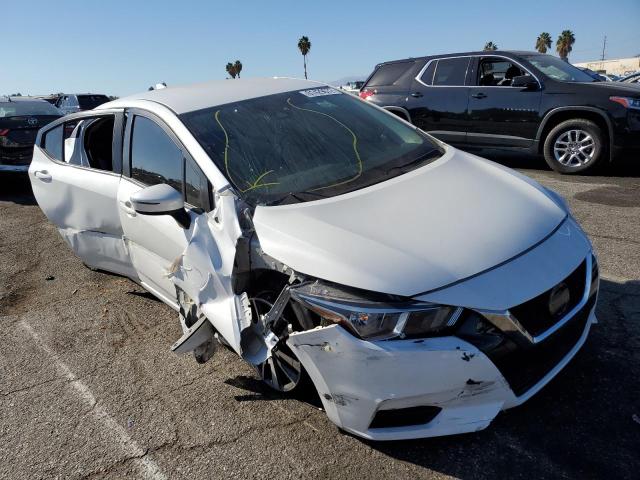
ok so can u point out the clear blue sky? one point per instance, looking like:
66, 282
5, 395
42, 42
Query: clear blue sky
120, 47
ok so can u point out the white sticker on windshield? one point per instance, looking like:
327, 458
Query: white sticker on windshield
320, 92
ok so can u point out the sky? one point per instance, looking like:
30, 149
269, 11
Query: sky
120, 47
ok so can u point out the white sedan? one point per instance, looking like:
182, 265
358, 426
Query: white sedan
420, 289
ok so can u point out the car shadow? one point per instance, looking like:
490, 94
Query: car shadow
585, 423
16, 188
626, 165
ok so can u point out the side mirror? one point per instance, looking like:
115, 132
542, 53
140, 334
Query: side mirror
161, 199
524, 81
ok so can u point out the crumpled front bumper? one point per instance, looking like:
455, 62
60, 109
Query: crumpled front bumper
356, 379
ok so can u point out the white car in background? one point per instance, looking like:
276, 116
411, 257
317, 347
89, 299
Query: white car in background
420, 289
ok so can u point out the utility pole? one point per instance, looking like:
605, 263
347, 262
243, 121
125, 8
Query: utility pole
604, 45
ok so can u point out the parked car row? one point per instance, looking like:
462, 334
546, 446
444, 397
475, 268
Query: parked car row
22, 117
510, 99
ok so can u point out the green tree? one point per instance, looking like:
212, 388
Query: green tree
543, 42
238, 67
490, 46
564, 44
304, 45
231, 70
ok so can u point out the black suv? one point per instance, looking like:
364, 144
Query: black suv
507, 99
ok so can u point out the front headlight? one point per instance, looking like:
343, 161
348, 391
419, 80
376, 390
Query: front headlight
377, 320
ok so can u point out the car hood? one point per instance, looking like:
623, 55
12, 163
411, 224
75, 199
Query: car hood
612, 88
423, 230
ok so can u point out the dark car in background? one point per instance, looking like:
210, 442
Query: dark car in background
78, 102
514, 100
20, 120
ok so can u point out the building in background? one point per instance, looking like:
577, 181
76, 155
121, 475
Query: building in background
620, 66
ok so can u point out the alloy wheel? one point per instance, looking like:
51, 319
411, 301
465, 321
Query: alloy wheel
574, 148
282, 371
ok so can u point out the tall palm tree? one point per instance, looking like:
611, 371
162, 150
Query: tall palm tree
564, 44
543, 42
238, 67
231, 70
304, 45
490, 46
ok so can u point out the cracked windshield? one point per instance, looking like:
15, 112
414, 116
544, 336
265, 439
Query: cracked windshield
308, 144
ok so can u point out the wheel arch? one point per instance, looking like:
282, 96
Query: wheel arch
561, 114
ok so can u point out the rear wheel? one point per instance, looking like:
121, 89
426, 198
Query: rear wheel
575, 146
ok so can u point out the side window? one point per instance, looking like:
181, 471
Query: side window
389, 74
52, 142
427, 76
497, 72
451, 71
196, 186
155, 158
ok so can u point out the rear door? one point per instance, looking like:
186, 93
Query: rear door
439, 98
81, 199
502, 115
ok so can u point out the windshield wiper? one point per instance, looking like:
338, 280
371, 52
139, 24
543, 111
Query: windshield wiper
422, 159
296, 195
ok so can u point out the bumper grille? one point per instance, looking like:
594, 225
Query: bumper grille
535, 315
524, 367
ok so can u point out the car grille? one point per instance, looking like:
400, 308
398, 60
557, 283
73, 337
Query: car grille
523, 363
534, 315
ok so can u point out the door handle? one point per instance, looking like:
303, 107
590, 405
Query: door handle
479, 95
416, 94
127, 208
43, 175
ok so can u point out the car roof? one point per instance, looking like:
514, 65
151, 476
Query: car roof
188, 98
465, 54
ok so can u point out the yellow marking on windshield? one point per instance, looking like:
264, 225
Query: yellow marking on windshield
252, 185
355, 145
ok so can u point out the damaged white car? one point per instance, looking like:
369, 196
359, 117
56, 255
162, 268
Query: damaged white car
420, 289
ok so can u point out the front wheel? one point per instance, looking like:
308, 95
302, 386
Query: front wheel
575, 146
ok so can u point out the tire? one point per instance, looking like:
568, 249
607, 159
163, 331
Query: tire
575, 146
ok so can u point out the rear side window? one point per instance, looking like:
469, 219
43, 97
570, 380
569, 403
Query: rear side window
52, 143
389, 74
427, 76
451, 71
155, 158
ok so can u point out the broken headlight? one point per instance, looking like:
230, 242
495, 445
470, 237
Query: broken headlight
377, 319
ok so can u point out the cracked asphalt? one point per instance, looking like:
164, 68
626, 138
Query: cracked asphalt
90, 389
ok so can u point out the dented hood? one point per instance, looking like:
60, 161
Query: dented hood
436, 225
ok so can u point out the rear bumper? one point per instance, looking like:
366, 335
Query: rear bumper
356, 379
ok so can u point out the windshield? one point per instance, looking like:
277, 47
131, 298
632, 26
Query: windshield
558, 69
308, 144
20, 108
88, 102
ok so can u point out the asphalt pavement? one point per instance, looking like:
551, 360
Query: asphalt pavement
90, 389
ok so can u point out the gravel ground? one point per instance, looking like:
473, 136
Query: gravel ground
90, 389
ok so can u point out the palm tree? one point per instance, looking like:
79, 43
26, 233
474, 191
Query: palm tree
564, 44
304, 45
543, 42
490, 46
231, 70
238, 67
